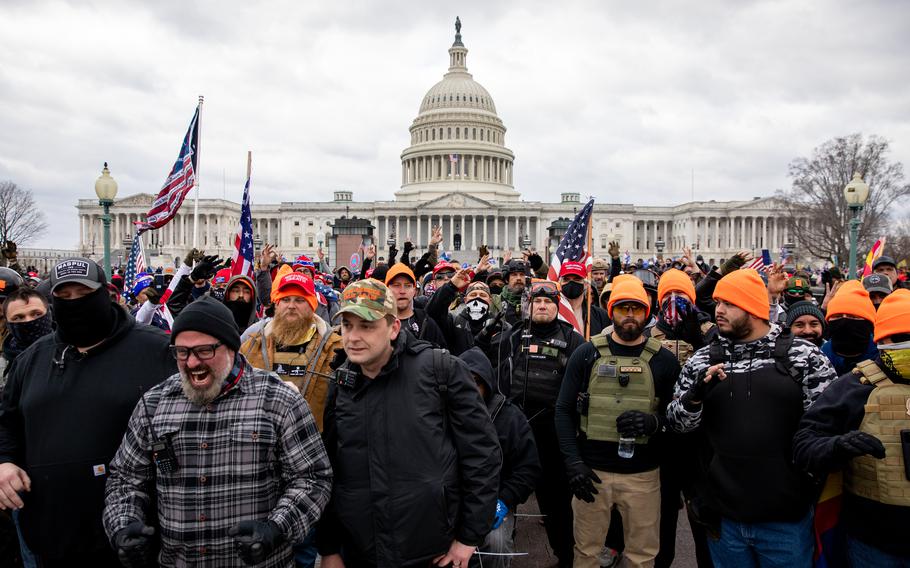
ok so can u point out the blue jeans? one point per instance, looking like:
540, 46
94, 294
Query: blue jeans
862, 555
305, 551
745, 545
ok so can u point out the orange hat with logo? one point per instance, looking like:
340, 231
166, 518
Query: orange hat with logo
853, 300
745, 290
893, 315
628, 290
398, 269
675, 280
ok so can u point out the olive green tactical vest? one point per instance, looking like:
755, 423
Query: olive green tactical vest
608, 398
887, 413
681, 349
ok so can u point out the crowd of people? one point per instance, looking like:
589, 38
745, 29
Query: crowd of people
399, 415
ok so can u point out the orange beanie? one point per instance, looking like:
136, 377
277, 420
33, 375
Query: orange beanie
620, 277
276, 280
853, 300
893, 315
675, 280
745, 290
628, 290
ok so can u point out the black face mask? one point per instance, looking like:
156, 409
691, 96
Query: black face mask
496, 290
28, 332
849, 336
85, 321
790, 299
217, 293
573, 290
241, 312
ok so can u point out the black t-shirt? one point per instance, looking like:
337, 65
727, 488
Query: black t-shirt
599, 454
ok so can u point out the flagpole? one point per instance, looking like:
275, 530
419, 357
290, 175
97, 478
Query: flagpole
196, 177
249, 163
589, 266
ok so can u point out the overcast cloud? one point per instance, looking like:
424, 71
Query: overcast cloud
620, 100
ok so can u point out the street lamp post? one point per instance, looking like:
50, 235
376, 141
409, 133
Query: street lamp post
659, 244
106, 190
856, 193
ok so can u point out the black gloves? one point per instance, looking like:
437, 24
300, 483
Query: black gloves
255, 540
206, 267
581, 481
695, 394
854, 444
134, 545
635, 424
735, 262
153, 295
193, 256
535, 261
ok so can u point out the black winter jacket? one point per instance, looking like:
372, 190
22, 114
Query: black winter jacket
520, 462
62, 418
415, 466
458, 337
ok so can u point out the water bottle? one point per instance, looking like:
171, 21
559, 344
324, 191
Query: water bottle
626, 447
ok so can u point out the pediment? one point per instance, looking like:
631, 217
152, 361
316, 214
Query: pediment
136, 199
455, 200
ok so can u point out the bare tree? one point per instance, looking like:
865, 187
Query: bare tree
818, 194
898, 244
20, 219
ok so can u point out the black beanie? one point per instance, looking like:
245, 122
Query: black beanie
804, 308
208, 315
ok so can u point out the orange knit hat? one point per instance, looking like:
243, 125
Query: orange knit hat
675, 280
893, 315
628, 290
296, 284
853, 300
620, 277
745, 290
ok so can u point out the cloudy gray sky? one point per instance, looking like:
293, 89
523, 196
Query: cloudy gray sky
621, 100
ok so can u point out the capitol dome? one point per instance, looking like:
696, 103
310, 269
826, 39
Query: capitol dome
457, 140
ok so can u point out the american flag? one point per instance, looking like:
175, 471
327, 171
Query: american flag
573, 246
134, 266
243, 239
762, 263
178, 183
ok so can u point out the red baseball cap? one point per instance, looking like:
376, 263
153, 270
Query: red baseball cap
303, 284
572, 267
445, 265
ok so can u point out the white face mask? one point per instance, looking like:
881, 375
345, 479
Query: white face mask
894, 346
477, 309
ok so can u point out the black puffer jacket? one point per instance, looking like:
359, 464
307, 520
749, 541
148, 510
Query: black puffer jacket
520, 463
415, 467
62, 418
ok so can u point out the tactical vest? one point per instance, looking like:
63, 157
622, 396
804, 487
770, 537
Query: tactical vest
682, 349
618, 384
546, 361
887, 413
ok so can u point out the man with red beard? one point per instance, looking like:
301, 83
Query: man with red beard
296, 344
233, 453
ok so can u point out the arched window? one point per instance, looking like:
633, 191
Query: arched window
449, 137
481, 134
457, 133
434, 134
474, 134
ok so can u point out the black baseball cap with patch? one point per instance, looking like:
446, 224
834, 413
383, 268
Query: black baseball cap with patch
77, 271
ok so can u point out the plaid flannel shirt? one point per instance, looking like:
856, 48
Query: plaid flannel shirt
251, 454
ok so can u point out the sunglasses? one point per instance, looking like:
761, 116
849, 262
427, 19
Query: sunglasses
202, 352
633, 308
544, 287
444, 275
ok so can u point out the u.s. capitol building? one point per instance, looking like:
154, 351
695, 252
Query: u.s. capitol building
457, 172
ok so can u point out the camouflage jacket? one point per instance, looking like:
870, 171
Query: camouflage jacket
813, 368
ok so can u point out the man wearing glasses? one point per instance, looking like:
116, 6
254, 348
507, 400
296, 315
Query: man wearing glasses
610, 416
238, 467
64, 411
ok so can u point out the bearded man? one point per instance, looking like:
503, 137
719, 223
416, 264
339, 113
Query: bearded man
233, 453
297, 345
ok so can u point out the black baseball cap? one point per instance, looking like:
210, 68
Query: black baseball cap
77, 271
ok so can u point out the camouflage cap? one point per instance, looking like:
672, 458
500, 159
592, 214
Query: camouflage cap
798, 284
368, 299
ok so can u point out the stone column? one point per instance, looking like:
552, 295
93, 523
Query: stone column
496, 230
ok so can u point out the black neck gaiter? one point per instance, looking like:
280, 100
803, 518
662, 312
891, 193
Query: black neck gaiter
85, 321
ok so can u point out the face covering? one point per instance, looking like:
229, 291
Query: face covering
477, 309
85, 321
896, 357
217, 293
241, 312
496, 290
789, 299
849, 336
573, 290
26, 333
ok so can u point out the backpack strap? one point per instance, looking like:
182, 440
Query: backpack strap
871, 374
652, 346
781, 354
315, 359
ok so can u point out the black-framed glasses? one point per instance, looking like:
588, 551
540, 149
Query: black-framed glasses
444, 275
202, 352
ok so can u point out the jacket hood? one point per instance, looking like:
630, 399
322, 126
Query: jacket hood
479, 364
